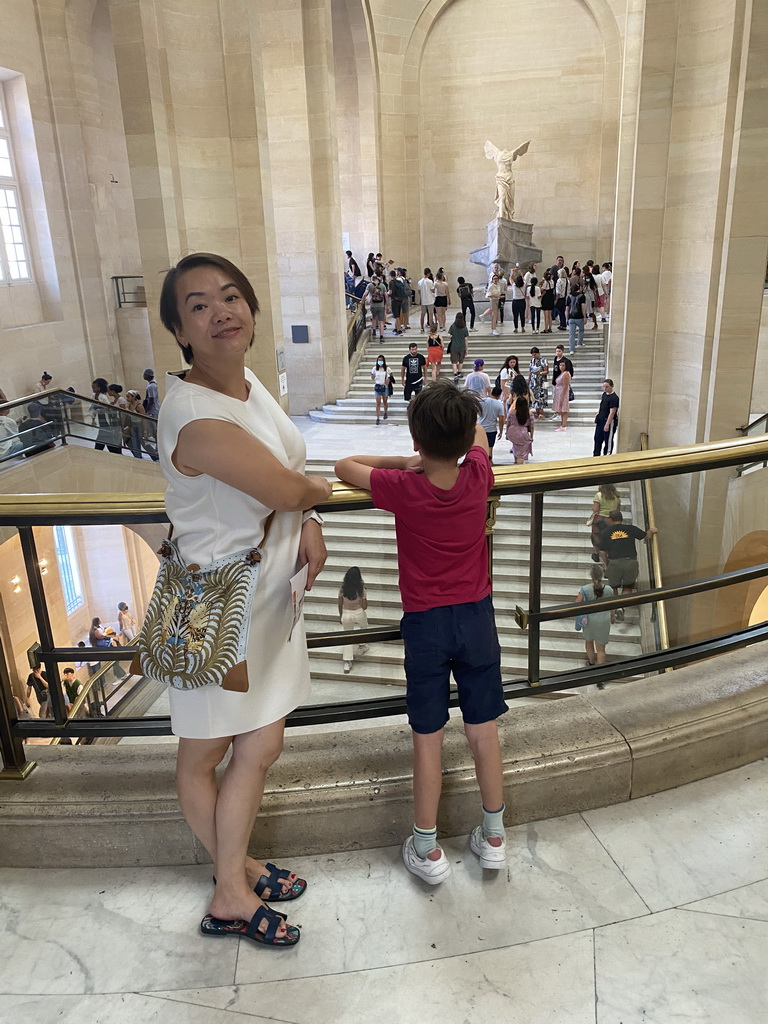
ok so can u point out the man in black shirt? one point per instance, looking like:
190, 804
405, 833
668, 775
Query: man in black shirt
412, 372
36, 680
607, 420
618, 543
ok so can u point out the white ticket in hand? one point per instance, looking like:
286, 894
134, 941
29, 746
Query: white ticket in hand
298, 589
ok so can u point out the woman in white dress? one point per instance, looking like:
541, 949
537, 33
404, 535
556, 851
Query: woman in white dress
231, 457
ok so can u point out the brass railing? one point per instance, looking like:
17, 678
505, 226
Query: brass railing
657, 579
25, 511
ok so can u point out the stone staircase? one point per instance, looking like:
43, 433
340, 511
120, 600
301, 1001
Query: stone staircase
589, 369
367, 539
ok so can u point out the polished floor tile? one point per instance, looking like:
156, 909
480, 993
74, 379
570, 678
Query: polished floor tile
683, 968
123, 1008
692, 842
365, 911
548, 982
749, 901
101, 930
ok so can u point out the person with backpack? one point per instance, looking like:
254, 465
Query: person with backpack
377, 296
396, 291
466, 297
595, 627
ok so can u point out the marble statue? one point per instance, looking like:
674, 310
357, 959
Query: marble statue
505, 182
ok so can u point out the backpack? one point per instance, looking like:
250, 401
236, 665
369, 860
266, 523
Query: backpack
465, 291
402, 291
377, 294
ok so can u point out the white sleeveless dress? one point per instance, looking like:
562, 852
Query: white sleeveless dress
210, 520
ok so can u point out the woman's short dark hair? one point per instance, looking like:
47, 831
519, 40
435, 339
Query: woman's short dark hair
169, 301
100, 385
519, 385
519, 282
442, 420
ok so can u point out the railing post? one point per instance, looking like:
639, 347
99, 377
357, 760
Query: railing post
44, 630
534, 587
15, 764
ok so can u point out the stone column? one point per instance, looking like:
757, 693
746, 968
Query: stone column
698, 237
297, 51
196, 134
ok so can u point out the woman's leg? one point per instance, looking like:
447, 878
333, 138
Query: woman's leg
471, 308
600, 653
590, 649
385, 399
563, 420
378, 407
494, 317
501, 311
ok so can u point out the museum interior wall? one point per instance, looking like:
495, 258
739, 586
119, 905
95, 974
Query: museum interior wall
145, 129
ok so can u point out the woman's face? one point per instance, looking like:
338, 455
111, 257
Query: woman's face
216, 321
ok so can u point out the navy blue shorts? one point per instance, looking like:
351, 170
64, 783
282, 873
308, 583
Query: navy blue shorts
458, 638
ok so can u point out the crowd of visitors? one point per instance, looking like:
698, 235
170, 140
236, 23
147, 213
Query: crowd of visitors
117, 427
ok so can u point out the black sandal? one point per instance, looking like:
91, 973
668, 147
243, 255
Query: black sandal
272, 882
217, 927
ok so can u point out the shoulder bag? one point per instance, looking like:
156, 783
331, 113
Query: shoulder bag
196, 629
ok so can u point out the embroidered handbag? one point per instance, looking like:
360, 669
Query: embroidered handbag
196, 629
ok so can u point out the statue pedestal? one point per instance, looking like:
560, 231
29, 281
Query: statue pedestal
509, 242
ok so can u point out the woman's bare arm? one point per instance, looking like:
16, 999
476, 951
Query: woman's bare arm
230, 454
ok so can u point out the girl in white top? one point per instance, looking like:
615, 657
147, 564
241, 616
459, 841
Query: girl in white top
231, 457
380, 378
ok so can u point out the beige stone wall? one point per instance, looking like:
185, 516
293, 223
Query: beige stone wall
491, 76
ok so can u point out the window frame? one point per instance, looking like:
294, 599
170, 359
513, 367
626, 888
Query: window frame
11, 184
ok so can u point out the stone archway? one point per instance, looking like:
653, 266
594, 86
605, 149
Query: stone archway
734, 605
402, 211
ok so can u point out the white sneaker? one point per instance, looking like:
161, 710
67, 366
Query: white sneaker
430, 871
362, 649
348, 664
495, 332
492, 858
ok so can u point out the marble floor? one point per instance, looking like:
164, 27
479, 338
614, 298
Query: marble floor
335, 440
651, 912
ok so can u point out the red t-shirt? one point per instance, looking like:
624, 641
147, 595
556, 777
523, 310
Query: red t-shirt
442, 552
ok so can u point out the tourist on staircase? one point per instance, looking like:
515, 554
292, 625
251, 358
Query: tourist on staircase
353, 603
595, 626
434, 351
380, 378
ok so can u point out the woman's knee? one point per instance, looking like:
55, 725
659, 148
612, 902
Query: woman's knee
200, 756
261, 748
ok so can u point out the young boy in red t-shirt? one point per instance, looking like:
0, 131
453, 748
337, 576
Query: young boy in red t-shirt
440, 511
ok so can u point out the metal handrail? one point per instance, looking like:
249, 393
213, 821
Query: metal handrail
57, 509
653, 547
25, 511
748, 427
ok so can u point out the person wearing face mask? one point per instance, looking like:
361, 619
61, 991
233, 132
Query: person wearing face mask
380, 378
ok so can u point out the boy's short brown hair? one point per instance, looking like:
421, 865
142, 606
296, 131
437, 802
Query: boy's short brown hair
442, 420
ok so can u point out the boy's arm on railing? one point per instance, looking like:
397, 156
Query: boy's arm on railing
356, 469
